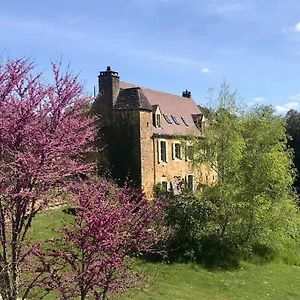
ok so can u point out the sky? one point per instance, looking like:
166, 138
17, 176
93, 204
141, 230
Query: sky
167, 45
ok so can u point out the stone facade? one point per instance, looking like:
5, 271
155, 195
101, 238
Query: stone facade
138, 130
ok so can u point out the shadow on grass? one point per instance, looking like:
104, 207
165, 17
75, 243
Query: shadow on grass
210, 254
213, 254
70, 211
261, 254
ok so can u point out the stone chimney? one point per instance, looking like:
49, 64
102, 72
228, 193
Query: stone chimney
187, 94
109, 85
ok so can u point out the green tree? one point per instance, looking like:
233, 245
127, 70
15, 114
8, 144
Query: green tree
253, 195
222, 148
293, 129
267, 174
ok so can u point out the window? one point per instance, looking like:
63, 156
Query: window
190, 182
156, 118
184, 122
167, 119
162, 151
176, 150
199, 121
201, 125
164, 185
189, 153
175, 120
158, 121
176, 185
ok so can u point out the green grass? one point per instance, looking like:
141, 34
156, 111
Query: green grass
189, 281
45, 226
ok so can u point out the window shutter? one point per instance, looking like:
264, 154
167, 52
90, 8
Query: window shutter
158, 151
193, 182
166, 151
181, 150
173, 150
190, 182
186, 153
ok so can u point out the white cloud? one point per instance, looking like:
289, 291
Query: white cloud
284, 108
297, 27
206, 70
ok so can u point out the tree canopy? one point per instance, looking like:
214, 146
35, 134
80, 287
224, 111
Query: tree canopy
43, 135
253, 195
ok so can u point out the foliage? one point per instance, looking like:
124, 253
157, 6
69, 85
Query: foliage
293, 129
249, 204
111, 224
43, 135
188, 216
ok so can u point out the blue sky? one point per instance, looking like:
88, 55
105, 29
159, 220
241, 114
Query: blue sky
168, 45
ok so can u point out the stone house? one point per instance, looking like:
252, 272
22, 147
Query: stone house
141, 134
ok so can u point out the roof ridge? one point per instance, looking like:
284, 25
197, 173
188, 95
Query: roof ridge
153, 90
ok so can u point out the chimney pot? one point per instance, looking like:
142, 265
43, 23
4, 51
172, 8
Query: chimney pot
187, 94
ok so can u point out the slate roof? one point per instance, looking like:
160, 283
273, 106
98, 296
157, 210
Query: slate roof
132, 99
183, 109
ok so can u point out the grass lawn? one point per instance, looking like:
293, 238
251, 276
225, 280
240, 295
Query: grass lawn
46, 225
189, 281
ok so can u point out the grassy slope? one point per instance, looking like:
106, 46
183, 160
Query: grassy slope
188, 281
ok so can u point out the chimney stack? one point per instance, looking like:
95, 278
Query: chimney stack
187, 94
109, 84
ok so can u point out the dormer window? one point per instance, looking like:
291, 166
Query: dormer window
156, 117
199, 121
158, 120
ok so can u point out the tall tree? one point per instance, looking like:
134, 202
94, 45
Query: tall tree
293, 129
267, 174
43, 135
222, 148
248, 150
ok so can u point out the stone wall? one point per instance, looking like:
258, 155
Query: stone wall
147, 153
124, 147
178, 169
154, 172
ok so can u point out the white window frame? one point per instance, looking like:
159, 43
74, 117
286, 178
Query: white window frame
174, 157
159, 151
187, 181
157, 115
188, 144
167, 185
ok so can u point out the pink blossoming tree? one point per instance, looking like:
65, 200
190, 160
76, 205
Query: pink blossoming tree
43, 135
111, 224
